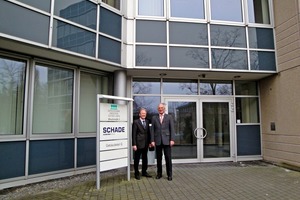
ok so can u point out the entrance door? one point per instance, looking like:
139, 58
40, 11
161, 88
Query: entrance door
202, 129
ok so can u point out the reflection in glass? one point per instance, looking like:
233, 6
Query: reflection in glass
261, 60
261, 38
109, 49
188, 33
189, 57
184, 115
247, 110
246, 88
187, 87
145, 31
43, 5
53, 100
187, 8
90, 86
151, 8
229, 59
72, 38
216, 88
110, 23
228, 36
148, 102
258, 11
12, 89
216, 122
146, 86
113, 3
151, 56
79, 11
229, 10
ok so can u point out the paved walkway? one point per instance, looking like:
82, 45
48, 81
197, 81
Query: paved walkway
249, 180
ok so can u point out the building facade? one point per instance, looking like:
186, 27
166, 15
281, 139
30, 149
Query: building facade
227, 71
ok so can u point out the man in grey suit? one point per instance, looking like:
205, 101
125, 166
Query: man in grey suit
162, 137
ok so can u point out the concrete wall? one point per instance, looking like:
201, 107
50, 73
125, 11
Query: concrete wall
280, 94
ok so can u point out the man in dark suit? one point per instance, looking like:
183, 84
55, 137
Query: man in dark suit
162, 137
141, 143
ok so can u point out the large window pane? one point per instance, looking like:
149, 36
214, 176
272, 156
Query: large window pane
185, 87
80, 11
146, 86
90, 86
148, 102
72, 38
229, 59
23, 23
262, 60
151, 8
247, 110
246, 88
151, 56
229, 10
261, 38
258, 11
12, 90
228, 36
188, 33
145, 31
43, 5
109, 50
110, 23
113, 3
53, 100
215, 88
189, 57
187, 8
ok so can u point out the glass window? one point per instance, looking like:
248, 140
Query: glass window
259, 11
215, 88
80, 11
188, 33
247, 110
114, 3
110, 23
72, 38
187, 8
229, 59
229, 10
189, 57
146, 86
43, 5
148, 102
90, 86
109, 49
53, 100
145, 31
260, 60
151, 56
12, 90
17, 24
246, 88
187, 87
261, 38
151, 8
228, 36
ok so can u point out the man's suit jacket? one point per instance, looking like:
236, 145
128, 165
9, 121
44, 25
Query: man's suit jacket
162, 133
140, 135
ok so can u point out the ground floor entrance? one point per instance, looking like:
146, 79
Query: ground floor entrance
204, 129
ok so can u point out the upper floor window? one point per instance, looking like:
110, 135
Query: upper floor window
151, 8
258, 11
114, 3
187, 9
229, 10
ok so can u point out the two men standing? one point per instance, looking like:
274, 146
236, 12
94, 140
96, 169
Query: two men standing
160, 135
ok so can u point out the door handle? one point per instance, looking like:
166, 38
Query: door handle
196, 131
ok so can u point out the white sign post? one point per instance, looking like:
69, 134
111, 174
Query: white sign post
113, 146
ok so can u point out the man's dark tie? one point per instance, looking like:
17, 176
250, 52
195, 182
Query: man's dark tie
144, 124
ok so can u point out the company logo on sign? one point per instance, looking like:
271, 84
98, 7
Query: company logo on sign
113, 106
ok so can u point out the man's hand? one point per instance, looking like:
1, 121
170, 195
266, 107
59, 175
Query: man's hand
134, 148
172, 143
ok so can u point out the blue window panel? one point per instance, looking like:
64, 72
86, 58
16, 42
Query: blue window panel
86, 152
228, 36
109, 49
146, 86
23, 23
79, 11
151, 56
51, 155
12, 159
189, 57
261, 38
110, 23
145, 31
72, 38
229, 59
43, 5
261, 60
187, 9
248, 140
229, 10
